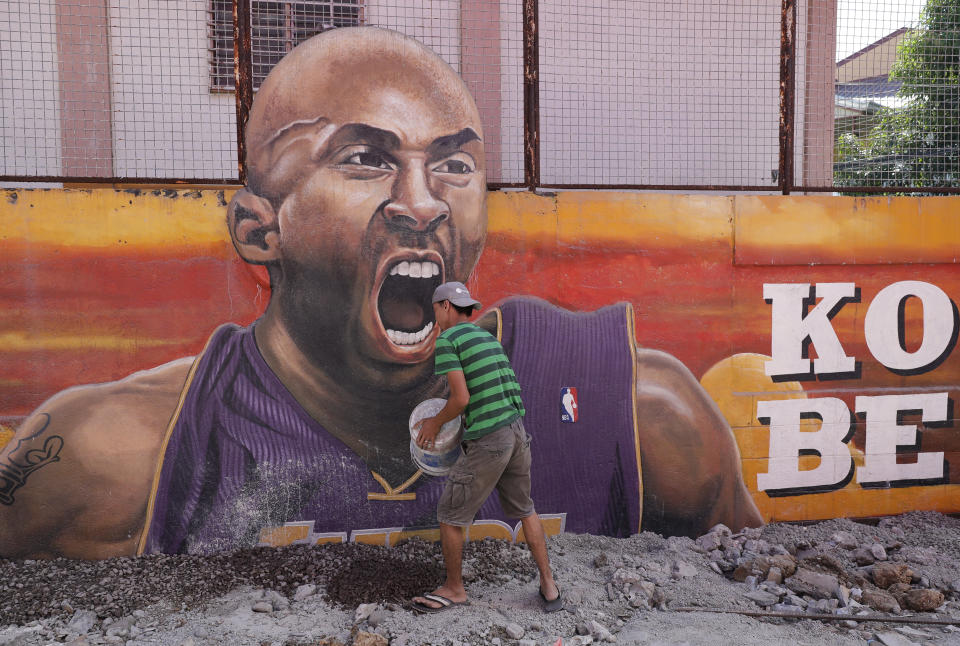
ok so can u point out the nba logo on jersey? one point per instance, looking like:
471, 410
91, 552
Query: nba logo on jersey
569, 408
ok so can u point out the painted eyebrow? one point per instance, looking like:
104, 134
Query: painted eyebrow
361, 133
443, 146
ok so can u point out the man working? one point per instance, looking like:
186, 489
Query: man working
366, 191
496, 448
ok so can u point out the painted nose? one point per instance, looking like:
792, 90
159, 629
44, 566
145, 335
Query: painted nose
413, 205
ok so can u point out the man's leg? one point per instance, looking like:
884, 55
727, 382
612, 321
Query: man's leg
537, 542
451, 541
469, 484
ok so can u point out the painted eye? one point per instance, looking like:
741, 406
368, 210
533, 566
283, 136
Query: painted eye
369, 159
454, 166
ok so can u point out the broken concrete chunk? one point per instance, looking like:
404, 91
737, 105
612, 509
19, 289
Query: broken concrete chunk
304, 591
843, 595
709, 542
886, 574
762, 598
863, 556
775, 575
262, 606
720, 529
881, 601
815, 584
82, 621
782, 607
913, 632
794, 600
682, 570
878, 552
786, 562
622, 576
514, 631
846, 540
363, 611
364, 638
923, 600
890, 638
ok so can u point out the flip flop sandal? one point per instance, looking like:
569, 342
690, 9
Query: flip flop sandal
445, 604
552, 605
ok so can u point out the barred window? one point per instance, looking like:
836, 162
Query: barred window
277, 27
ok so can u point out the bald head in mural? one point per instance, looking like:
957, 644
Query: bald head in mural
366, 190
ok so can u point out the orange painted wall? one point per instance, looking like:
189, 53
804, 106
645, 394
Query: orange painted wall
96, 284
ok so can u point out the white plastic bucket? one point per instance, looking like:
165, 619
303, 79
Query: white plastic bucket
446, 449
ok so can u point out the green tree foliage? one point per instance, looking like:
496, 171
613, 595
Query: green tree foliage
917, 144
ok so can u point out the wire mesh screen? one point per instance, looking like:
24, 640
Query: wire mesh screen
112, 89
29, 109
639, 93
659, 93
483, 41
897, 86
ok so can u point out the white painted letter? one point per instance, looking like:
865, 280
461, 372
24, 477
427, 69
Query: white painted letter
787, 442
790, 326
882, 326
884, 435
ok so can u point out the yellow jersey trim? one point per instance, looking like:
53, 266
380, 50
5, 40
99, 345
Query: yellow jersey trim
142, 543
632, 344
391, 493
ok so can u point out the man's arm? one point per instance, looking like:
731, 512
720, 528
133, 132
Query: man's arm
692, 476
429, 427
75, 478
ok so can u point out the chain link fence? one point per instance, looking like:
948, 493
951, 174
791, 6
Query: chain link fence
757, 95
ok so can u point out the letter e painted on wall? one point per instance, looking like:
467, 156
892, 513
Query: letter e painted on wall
885, 433
788, 442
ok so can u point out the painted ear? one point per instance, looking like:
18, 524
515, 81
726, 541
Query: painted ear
253, 227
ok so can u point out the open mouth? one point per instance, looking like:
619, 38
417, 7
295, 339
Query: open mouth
404, 300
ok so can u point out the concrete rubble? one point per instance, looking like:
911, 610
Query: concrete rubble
645, 589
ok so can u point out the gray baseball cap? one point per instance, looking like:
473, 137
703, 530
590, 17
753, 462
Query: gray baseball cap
456, 293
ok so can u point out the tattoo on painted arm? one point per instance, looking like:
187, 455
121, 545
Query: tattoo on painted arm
20, 464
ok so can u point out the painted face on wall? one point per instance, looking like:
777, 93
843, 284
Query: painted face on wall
377, 176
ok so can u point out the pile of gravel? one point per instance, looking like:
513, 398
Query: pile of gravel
896, 582
352, 573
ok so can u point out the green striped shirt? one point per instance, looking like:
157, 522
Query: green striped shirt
494, 391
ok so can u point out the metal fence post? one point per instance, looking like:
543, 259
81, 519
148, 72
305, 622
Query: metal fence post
788, 69
242, 78
531, 95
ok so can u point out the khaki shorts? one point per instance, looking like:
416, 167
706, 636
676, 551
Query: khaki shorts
500, 460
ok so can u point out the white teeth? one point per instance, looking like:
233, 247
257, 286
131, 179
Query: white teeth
415, 269
410, 338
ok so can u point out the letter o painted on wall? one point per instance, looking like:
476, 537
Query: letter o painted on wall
884, 324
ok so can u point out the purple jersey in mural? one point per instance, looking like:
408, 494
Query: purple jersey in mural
242, 454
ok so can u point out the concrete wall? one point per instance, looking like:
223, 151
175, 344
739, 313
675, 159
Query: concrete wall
729, 287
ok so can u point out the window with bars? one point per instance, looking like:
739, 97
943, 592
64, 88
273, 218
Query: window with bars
276, 28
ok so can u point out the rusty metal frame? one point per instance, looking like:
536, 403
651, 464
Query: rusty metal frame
242, 78
68, 179
531, 94
788, 84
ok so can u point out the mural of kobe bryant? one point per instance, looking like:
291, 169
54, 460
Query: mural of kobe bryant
366, 190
